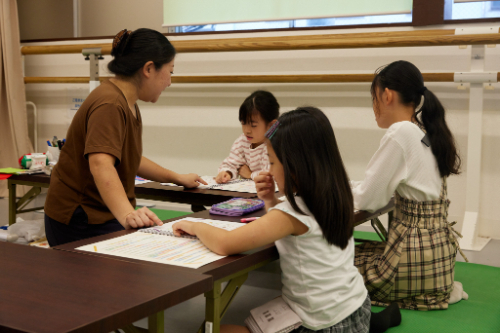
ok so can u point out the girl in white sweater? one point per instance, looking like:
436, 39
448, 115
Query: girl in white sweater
415, 267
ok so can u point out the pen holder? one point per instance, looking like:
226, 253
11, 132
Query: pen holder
53, 154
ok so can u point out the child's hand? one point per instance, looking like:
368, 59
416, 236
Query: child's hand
245, 171
184, 227
264, 183
223, 177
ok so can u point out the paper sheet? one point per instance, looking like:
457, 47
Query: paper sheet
139, 180
178, 251
237, 185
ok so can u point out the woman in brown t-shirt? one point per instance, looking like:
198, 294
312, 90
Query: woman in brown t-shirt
92, 186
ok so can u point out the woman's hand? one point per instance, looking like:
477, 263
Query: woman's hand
140, 218
264, 183
190, 180
184, 227
245, 172
223, 177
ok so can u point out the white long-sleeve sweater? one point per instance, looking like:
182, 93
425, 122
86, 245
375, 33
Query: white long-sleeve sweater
403, 164
241, 153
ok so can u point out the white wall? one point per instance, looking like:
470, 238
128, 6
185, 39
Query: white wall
192, 126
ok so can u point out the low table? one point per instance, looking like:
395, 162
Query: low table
59, 291
233, 269
195, 197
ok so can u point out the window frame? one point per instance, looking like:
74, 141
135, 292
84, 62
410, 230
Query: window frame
425, 12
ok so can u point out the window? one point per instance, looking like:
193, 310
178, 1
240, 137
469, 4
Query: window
325, 22
224, 15
463, 10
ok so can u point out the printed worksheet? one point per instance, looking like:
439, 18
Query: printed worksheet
140, 180
158, 245
237, 185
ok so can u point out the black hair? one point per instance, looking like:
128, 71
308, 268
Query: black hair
305, 145
405, 78
132, 49
259, 101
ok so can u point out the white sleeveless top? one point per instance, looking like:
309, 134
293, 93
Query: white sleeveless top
320, 282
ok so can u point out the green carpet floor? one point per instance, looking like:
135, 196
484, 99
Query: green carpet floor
366, 235
479, 314
167, 214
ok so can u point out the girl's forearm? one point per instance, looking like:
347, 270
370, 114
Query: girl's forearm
271, 203
214, 238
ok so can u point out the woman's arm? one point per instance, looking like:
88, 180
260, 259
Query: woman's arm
152, 171
102, 167
265, 230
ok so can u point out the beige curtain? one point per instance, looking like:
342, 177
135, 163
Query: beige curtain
14, 140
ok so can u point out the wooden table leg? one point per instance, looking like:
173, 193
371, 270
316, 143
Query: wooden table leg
12, 202
156, 323
218, 302
212, 310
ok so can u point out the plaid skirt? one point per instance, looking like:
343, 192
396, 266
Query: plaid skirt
415, 267
357, 322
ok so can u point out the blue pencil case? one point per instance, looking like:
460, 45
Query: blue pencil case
237, 207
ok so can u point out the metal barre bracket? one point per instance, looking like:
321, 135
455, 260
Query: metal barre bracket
475, 77
94, 55
94, 50
477, 30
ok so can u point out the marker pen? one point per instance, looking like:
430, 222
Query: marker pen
248, 219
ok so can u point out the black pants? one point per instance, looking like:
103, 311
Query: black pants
78, 228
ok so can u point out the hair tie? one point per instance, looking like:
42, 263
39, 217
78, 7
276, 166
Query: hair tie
271, 131
422, 90
117, 41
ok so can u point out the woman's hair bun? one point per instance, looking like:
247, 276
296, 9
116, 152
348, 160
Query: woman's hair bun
120, 42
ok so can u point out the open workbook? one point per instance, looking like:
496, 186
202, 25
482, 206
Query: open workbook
158, 244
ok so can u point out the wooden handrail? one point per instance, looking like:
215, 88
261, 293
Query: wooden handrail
308, 78
330, 41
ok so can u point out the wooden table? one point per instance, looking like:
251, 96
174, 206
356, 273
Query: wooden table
154, 191
59, 291
232, 269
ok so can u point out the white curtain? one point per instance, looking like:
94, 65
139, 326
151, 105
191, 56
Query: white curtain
14, 140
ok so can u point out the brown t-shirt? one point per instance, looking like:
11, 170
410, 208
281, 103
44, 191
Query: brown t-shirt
103, 124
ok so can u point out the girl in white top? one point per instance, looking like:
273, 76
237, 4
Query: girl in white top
415, 267
248, 155
312, 229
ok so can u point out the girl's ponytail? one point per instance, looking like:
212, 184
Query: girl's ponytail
432, 117
404, 78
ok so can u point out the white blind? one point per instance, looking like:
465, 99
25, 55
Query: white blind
201, 12
462, 1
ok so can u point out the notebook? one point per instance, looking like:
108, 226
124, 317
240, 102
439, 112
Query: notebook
158, 244
275, 316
